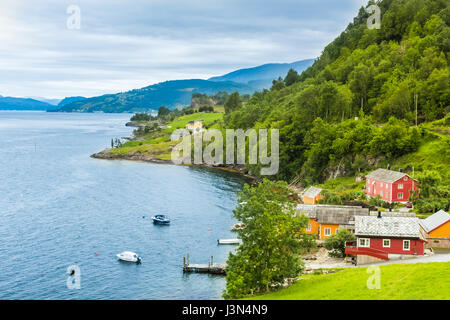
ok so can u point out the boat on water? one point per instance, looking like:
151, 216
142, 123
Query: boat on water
129, 256
229, 241
161, 219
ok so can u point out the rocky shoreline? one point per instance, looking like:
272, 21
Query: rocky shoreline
106, 155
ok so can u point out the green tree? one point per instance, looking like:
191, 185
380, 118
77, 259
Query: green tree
336, 243
277, 84
271, 242
291, 77
359, 84
163, 111
233, 102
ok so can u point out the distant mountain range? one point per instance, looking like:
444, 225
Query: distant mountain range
10, 103
262, 76
171, 94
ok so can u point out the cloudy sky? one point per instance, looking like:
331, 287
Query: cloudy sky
128, 44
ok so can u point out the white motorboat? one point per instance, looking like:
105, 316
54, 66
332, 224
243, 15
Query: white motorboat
129, 256
229, 241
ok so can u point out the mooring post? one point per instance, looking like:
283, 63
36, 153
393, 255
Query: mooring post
188, 258
212, 263
184, 261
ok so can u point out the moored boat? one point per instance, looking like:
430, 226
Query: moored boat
229, 241
129, 256
161, 219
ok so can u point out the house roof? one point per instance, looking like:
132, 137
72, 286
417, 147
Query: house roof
386, 175
312, 192
435, 220
398, 227
328, 214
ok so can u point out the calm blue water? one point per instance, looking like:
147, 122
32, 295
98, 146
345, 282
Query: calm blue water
59, 207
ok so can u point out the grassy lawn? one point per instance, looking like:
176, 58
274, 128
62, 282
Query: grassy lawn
208, 119
398, 282
343, 184
433, 154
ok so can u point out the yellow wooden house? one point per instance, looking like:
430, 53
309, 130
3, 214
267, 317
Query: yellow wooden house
437, 229
312, 195
326, 220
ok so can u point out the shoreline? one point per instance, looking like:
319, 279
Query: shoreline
105, 155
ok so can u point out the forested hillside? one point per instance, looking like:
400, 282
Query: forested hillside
392, 79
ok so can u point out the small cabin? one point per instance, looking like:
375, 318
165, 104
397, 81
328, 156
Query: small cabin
312, 195
195, 126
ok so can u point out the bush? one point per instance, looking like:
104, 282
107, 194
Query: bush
330, 197
336, 243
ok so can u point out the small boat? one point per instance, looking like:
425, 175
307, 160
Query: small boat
160, 219
229, 241
129, 256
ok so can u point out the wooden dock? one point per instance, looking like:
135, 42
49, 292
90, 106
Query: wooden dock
211, 267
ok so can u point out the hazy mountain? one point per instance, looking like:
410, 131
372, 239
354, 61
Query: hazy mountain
261, 77
46, 100
10, 103
179, 92
170, 94
69, 100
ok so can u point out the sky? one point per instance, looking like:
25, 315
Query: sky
123, 45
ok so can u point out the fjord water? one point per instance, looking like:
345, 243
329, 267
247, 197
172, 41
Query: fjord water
59, 207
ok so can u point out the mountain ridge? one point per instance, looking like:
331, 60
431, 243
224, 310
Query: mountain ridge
12, 103
176, 93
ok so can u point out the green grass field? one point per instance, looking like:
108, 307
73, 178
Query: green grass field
420, 281
158, 144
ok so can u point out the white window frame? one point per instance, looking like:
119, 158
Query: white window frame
368, 189
309, 227
400, 186
336, 231
409, 245
325, 232
381, 193
364, 246
398, 195
382, 184
405, 179
389, 245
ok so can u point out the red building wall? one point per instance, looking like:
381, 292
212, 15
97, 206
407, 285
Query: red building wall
408, 185
391, 192
374, 189
416, 245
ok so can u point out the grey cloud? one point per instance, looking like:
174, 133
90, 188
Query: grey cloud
128, 44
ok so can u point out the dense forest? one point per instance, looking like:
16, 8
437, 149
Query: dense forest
363, 98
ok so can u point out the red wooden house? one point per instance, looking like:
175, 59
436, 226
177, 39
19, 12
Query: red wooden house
391, 186
385, 237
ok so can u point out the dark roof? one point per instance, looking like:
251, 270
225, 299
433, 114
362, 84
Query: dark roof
330, 214
386, 175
